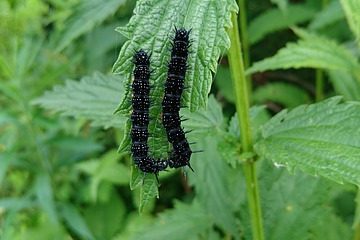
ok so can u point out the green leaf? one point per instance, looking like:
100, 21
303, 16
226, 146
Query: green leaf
75, 221
212, 185
94, 98
282, 4
207, 20
275, 19
224, 83
321, 139
329, 15
5, 162
149, 190
331, 228
44, 194
286, 94
294, 204
111, 213
86, 16
311, 51
105, 169
352, 12
182, 222
205, 121
345, 84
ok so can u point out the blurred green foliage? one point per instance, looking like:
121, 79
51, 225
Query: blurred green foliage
61, 176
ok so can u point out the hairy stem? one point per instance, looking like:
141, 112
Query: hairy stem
357, 217
244, 32
319, 85
242, 108
245, 40
319, 79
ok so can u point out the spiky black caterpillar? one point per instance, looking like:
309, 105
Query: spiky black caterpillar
174, 86
140, 116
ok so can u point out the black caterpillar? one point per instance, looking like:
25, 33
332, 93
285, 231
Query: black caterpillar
174, 86
140, 116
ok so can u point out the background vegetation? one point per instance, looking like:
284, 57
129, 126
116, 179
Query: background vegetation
63, 176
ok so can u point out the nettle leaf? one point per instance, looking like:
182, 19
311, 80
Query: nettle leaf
275, 19
329, 15
182, 222
282, 4
94, 98
345, 84
86, 16
352, 12
205, 121
286, 94
311, 51
212, 184
152, 27
75, 221
294, 203
321, 139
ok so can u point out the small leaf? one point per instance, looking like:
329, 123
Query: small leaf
275, 19
321, 139
286, 94
311, 51
331, 14
87, 14
44, 196
75, 221
182, 222
149, 190
111, 212
352, 12
282, 4
345, 84
94, 98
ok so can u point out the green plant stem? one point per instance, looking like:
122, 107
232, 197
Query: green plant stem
319, 79
245, 39
319, 83
357, 217
244, 33
242, 108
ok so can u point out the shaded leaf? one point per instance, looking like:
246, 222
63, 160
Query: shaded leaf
345, 84
286, 94
44, 195
205, 121
321, 139
182, 222
211, 181
275, 19
75, 221
94, 98
311, 51
329, 15
87, 14
352, 12
111, 213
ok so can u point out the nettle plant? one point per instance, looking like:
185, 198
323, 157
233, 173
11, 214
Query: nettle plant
241, 181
